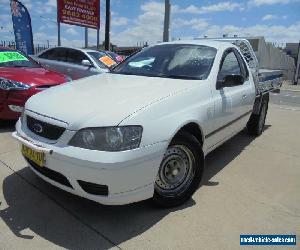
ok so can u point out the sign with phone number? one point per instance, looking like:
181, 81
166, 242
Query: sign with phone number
79, 12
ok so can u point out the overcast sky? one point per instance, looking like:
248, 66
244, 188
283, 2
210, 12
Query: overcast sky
140, 20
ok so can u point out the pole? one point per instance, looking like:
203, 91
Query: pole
58, 25
167, 21
297, 66
98, 30
107, 25
98, 33
86, 44
58, 34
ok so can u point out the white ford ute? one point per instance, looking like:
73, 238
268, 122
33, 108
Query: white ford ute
143, 130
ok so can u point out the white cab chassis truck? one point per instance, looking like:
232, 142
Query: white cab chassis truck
143, 130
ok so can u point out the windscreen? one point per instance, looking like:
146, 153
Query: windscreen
115, 56
180, 61
13, 59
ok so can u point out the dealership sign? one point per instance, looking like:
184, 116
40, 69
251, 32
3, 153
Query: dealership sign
22, 27
84, 13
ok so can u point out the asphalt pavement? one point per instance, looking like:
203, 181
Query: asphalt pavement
250, 186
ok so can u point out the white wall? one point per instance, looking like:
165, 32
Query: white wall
270, 57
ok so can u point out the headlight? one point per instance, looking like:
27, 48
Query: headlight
7, 84
108, 138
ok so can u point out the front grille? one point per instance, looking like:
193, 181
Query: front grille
93, 188
51, 174
43, 129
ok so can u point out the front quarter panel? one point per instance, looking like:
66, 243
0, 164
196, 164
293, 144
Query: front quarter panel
162, 120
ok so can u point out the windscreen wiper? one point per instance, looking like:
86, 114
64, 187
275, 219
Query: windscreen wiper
182, 77
18, 66
121, 73
134, 74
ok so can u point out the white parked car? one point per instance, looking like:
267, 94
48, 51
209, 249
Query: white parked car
145, 130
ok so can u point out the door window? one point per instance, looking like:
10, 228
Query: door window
76, 56
47, 54
244, 69
230, 66
57, 54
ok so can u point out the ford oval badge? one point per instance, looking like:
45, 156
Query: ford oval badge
37, 128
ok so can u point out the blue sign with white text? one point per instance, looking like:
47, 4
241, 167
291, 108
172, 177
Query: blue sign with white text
267, 239
22, 27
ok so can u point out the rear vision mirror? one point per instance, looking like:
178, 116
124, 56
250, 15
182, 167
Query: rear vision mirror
230, 81
86, 63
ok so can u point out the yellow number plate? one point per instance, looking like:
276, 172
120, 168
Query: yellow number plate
36, 157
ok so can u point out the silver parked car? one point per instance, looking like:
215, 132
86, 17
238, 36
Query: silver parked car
74, 62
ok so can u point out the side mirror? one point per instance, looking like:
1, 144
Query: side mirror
230, 81
86, 63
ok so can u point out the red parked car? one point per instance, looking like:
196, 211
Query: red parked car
20, 78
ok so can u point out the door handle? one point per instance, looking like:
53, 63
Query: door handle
244, 97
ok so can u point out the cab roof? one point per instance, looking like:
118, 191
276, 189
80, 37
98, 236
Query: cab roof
204, 42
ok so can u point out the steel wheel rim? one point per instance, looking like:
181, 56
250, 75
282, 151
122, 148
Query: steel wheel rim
176, 171
262, 117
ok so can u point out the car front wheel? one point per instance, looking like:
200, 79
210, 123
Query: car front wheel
180, 171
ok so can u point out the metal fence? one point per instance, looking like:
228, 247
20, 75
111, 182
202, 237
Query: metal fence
37, 47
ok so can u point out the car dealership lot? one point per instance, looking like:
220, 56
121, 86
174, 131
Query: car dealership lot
251, 186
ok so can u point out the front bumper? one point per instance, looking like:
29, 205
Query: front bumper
129, 175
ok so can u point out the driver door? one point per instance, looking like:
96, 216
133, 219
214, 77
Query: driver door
229, 111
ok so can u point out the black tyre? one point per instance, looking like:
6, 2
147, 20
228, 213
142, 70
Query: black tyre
180, 171
256, 123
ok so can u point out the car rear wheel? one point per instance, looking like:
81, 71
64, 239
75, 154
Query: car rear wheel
256, 123
180, 171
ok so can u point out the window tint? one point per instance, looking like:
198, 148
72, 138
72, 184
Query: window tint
46, 54
230, 66
76, 56
57, 54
